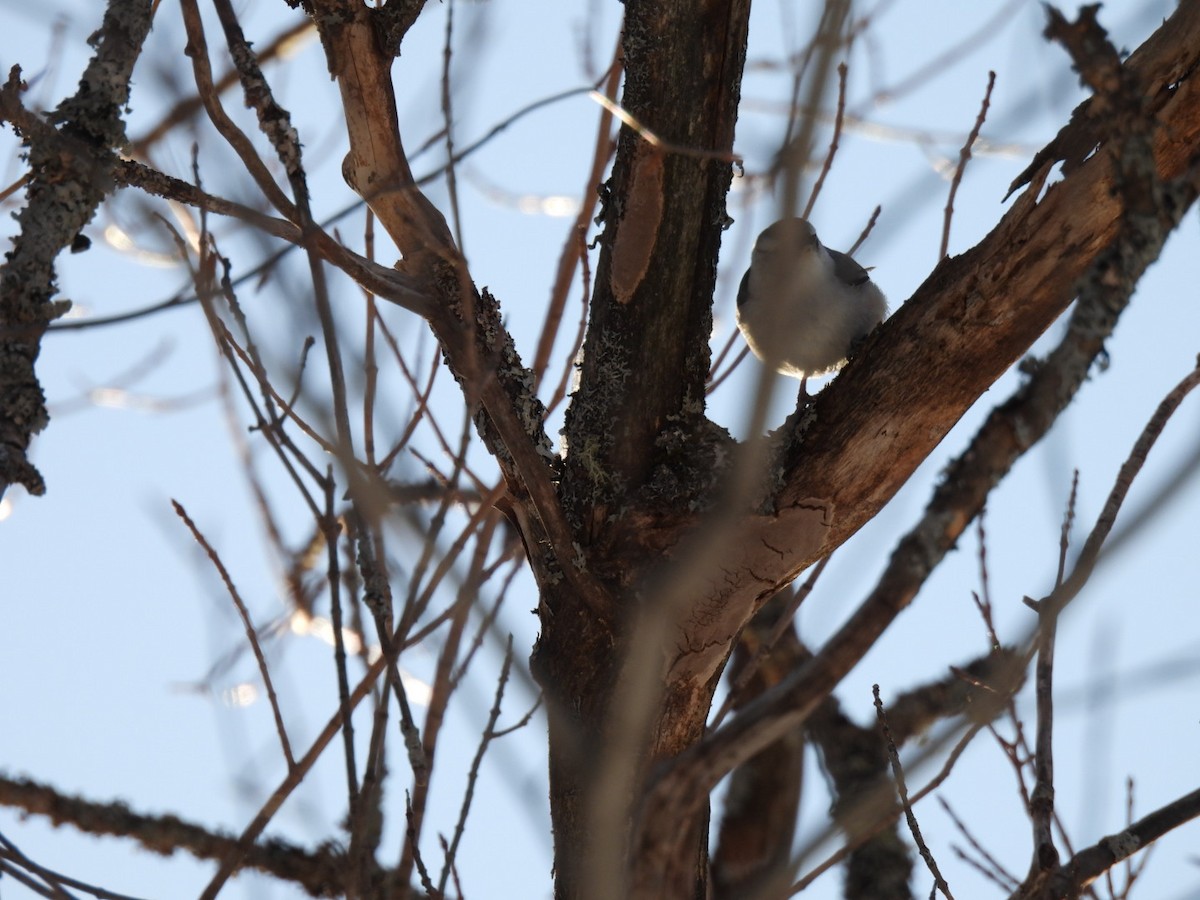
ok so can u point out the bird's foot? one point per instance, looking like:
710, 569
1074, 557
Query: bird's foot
803, 398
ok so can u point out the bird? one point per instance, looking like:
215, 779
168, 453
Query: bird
802, 307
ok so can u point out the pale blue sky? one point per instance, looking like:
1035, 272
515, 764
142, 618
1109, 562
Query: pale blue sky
110, 614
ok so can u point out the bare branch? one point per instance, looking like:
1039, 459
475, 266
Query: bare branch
963, 156
315, 870
838, 119
248, 625
902, 790
1091, 862
61, 198
489, 733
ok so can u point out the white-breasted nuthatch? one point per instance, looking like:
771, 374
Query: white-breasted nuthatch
801, 306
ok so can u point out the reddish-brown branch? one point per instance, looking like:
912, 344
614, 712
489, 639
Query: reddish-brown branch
1007, 434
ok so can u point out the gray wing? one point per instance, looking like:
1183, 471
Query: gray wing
847, 270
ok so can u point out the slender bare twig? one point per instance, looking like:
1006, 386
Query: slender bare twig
366, 837
38, 887
448, 128
575, 246
585, 295
489, 618
248, 625
991, 867
983, 600
197, 49
902, 792
867, 229
249, 357
186, 109
737, 361
370, 364
630, 121
234, 857
15, 186
838, 118
489, 732
267, 419
1041, 801
417, 599
482, 526
419, 861
963, 156
885, 820
422, 412
1090, 554
331, 528
16, 864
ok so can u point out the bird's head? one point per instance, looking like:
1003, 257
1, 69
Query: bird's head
788, 239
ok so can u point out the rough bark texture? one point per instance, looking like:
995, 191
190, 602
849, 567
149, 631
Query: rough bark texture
974, 317
648, 562
651, 549
977, 313
69, 158
641, 459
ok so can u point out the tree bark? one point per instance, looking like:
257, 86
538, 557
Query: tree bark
651, 549
970, 321
645, 365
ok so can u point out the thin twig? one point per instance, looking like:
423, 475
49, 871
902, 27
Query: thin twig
483, 526
838, 119
411, 838
331, 529
716, 382
233, 860
575, 246
983, 600
197, 49
1041, 801
416, 600
866, 834
585, 297
251, 632
867, 229
993, 870
1090, 553
489, 732
902, 791
659, 143
963, 156
448, 129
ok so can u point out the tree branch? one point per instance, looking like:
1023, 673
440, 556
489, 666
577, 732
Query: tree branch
977, 313
62, 195
1143, 212
319, 872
